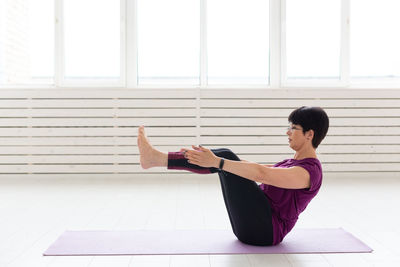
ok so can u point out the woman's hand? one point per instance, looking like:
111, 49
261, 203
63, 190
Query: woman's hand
201, 156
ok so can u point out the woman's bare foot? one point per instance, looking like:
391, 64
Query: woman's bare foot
149, 156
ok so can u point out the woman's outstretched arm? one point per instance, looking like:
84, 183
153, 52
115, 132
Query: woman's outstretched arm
292, 178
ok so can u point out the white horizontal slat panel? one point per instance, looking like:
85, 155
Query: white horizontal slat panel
295, 103
362, 140
74, 159
375, 112
75, 168
232, 121
364, 125
356, 148
300, 93
71, 122
284, 113
323, 149
243, 122
295, 93
87, 131
113, 169
97, 112
49, 129
205, 140
97, 103
99, 131
188, 111
188, 121
380, 168
81, 150
335, 158
280, 130
91, 141
239, 149
79, 169
97, 93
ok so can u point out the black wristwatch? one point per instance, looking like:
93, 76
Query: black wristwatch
221, 164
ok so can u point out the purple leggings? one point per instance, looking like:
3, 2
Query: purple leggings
248, 208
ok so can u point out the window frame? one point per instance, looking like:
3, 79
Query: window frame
59, 54
277, 42
344, 54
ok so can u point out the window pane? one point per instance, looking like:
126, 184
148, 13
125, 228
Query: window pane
313, 39
374, 49
26, 42
168, 41
238, 41
92, 39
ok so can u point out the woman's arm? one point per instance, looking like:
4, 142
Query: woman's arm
266, 165
292, 178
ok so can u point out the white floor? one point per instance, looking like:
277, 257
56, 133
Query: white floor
34, 212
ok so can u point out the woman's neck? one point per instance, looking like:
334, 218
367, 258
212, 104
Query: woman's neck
306, 153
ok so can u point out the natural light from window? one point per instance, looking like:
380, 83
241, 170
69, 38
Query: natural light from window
162, 43
375, 41
92, 39
26, 42
168, 42
238, 42
313, 39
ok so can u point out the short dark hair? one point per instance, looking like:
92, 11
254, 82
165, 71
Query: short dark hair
311, 118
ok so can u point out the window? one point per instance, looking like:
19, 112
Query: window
199, 43
238, 41
313, 39
375, 43
168, 42
26, 42
92, 40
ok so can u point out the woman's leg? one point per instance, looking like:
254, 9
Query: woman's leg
177, 161
151, 157
248, 208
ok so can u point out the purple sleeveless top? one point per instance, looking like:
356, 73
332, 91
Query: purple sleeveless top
287, 204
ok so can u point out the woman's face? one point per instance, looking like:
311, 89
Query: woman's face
297, 139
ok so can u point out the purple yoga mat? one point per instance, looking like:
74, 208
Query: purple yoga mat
180, 242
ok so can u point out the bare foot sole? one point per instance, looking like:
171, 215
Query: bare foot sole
148, 155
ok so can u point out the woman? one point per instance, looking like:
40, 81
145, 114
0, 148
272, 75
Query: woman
259, 214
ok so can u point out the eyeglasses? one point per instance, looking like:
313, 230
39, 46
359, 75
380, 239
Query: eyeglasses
292, 128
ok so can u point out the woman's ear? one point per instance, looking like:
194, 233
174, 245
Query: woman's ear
310, 134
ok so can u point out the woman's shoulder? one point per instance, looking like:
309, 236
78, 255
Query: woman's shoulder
294, 162
283, 163
312, 165
312, 162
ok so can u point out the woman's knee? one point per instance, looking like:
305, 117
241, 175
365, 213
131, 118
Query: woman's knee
226, 153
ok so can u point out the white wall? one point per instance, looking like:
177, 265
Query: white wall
92, 132
2, 26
